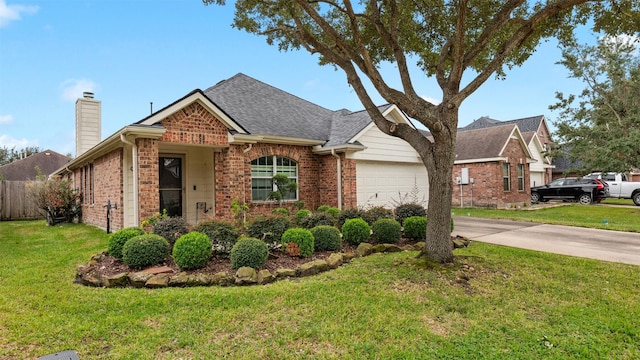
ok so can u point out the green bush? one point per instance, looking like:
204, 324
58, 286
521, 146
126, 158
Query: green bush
326, 238
280, 211
145, 250
119, 238
334, 212
249, 252
354, 214
386, 231
223, 235
170, 228
356, 231
379, 212
408, 210
269, 229
313, 220
415, 227
301, 214
192, 251
302, 237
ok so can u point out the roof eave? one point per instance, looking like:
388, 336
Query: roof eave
344, 148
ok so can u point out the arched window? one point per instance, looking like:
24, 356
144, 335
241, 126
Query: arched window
262, 171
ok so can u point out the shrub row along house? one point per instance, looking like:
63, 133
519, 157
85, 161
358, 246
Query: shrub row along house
211, 148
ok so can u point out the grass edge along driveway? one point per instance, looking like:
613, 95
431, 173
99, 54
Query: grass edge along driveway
494, 302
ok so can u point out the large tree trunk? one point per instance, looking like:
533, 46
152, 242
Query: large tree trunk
439, 163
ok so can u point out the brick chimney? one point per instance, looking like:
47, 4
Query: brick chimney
88, 123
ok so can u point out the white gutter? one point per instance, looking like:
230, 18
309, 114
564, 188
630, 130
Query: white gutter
339, 165
134, 151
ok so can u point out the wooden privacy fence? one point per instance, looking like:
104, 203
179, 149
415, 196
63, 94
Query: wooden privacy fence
15, 203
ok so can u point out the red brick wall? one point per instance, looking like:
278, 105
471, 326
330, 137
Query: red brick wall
194, 125
107, 187
148, 185
488, 190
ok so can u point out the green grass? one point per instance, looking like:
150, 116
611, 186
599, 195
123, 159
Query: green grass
592, 216
517, 304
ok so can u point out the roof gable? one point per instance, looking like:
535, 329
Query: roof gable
47, 161
487, 143
532, 123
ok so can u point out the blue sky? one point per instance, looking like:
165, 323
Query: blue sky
131, 53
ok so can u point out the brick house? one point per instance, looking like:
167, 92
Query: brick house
492, 167
198, 155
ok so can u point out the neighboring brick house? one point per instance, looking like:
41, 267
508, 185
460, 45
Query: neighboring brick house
198, 155
535, 131
40, 164
492, 168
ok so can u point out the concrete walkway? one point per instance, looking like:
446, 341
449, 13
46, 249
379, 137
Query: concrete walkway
607, 245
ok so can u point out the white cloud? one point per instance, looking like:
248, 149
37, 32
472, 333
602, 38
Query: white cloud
72, 89
6, 119
11, 142
9, 13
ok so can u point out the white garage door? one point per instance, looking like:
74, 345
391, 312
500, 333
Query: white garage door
386, 183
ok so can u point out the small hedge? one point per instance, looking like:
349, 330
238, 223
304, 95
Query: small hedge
145, 250
415, 227
354, 214
280, 211
326, 238
356, 231
379, 212
317, 219
119, 238
170, 228
408, 210
223, 235
334, 212
269, 229
300, 215
249, 252
192, 251
302, 237
386, 231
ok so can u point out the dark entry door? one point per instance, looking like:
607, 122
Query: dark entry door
170, 179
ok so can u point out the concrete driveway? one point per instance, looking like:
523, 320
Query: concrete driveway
607, 245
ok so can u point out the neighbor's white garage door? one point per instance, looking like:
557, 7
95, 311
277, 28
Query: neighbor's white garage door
385, 183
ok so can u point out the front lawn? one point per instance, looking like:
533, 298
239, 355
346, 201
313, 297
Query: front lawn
494, 303
619, 218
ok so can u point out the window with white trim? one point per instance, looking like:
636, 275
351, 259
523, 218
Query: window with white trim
520, 177
506, 177
262, 171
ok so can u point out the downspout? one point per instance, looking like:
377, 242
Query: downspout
339, 165
134, 155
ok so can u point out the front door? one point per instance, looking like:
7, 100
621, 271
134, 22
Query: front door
170, 179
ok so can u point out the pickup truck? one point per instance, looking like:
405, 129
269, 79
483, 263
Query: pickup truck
619, 186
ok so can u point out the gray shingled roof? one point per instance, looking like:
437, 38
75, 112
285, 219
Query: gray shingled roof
482, 143
525, 124
47, 161
265, 110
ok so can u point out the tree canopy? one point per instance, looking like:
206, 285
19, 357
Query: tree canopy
446, 40
599, 129
10, 155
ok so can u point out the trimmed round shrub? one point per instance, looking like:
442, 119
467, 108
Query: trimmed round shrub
170, 228
249, 252
379, 212
354, 214
408, 210
333, 211
313, 220
301, 214
269, 229
415, 227
280, 211
192, 251
119, 238
223, 235
145, 250
302, 237
356, 231
326, 238
386, 231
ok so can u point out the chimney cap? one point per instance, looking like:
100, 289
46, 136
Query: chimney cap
87, 95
